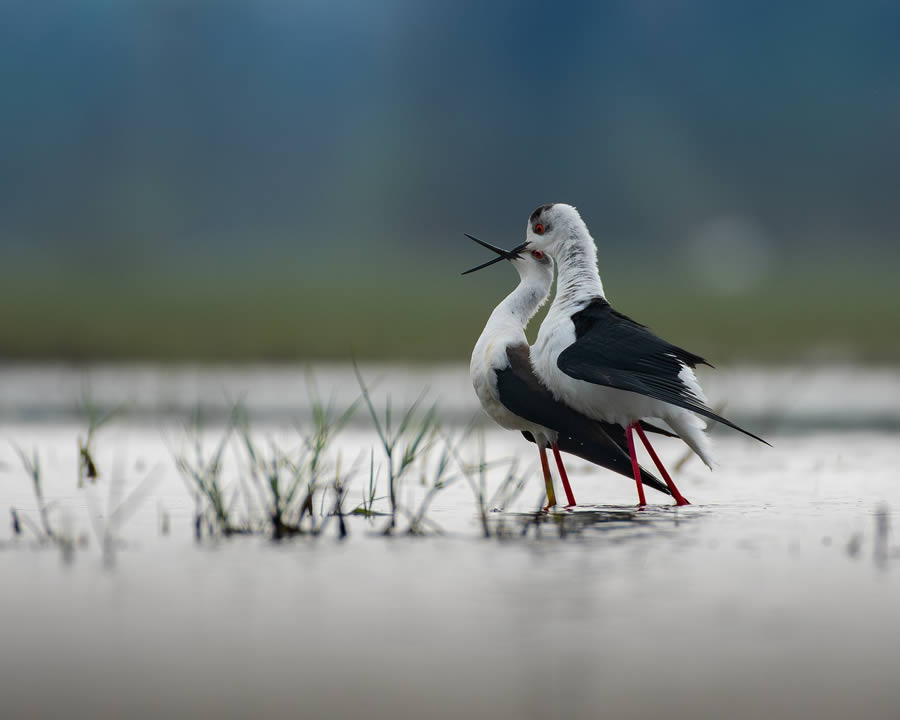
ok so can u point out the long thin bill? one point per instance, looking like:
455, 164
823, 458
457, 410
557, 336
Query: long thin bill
503, 254
499, 251
484, 265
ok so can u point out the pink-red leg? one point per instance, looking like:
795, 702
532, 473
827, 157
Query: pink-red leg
570, 496
635, 468
548, 479
679, 498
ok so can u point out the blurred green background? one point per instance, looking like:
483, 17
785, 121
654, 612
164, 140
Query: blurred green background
245, 180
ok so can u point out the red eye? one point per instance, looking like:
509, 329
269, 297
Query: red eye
539, 229
537, 254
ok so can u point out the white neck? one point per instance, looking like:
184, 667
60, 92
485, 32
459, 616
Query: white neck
506, 326
521, 304
577, 278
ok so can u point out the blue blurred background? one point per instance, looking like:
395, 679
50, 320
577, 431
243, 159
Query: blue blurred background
262, 180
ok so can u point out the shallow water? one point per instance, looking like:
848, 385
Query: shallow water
777, 593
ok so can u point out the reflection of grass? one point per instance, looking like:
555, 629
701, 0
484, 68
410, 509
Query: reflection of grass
106, 524
32, 465
419, 315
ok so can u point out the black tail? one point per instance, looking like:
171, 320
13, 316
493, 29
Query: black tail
718, 418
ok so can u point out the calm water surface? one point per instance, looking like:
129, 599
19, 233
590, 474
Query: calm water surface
776, 594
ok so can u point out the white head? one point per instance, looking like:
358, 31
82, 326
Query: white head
535, 267
552, 228
558, 230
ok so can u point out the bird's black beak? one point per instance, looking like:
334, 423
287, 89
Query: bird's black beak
502, 254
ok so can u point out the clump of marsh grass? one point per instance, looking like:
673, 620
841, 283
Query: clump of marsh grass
338, 489
288, 486
285, 487
509, 491
278, 481
435, 481
283, 493
367, 507
476, 477
512, 486
402, 443
87, 467
280, 488
326, 424
214, 505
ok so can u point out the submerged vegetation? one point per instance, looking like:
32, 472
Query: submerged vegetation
243, 483
301, 481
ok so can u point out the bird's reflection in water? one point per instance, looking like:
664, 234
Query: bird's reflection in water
613, 522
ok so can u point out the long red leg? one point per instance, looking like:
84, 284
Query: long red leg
563, 476
679, 498
548, 480
635, 468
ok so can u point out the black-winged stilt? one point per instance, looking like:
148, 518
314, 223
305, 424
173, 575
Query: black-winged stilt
604, 364
514, 398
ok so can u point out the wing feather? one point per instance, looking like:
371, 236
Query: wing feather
613, 350
601, 443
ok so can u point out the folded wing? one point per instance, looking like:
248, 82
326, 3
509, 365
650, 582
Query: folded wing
601, 443
612, 349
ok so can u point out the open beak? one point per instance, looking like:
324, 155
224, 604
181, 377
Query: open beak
502, 254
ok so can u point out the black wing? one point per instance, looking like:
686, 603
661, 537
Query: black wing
612, 349
601, 443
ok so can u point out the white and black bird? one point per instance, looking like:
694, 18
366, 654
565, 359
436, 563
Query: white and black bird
514, 398
602, 363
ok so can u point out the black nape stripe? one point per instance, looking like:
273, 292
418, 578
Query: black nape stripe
537, 213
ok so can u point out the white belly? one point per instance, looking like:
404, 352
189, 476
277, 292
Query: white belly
484, 380
606, 403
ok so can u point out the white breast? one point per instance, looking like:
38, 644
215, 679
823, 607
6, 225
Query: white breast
488, 357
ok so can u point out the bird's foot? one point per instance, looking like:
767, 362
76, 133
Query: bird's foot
681, 500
